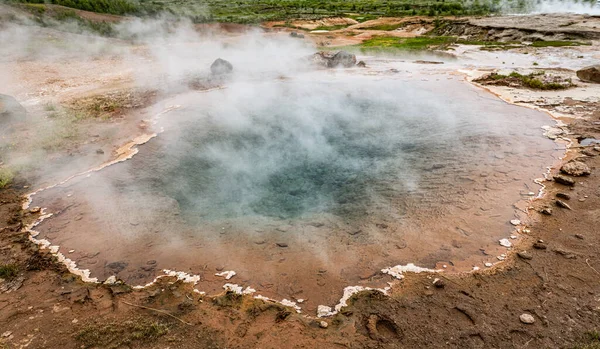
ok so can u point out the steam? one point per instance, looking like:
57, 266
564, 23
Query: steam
588, 7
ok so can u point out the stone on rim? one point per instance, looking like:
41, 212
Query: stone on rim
576, 169
590, 74
527, 318
505, 243
221, 67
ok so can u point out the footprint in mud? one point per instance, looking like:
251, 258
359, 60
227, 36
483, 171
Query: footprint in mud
382, 329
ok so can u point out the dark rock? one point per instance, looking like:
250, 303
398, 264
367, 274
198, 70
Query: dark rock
524, 255
439, 283
344, 59
297, 35
334, 60
99, 151
576, 169
221, 67
361, 64
563, 204
563, 196
564, 180
579, 236
10, 110
590, 74
547, 211
282, 244
540, 245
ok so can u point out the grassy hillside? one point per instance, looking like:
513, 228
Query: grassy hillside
254, 11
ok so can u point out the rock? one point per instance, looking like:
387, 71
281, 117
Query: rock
515, 222
282, 244
579, 236
576, 169
525, 255
540, 245
563, 196
527, 318
439, 283
361, 64
344, 59
297, 35
546, 210
221, 67
329, 60
590, 74
35, 210
563, 204
505, 243
99, 151
10, 110
323, 324
564, 180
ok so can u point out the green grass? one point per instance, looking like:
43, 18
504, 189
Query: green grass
418, 43
558, 43
121, 334
6, 177
387, 27
8, 271
331, 27
256, 11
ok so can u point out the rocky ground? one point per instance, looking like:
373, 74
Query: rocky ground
546, 295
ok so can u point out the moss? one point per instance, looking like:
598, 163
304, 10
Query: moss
558, 43
418, 43
532, 81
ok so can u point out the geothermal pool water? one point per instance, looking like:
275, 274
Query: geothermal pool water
306, 185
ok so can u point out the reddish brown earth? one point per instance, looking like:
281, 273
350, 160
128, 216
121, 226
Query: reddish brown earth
44, 306
558, 286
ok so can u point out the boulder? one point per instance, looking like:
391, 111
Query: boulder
334, 60
590, 74
221, 67
10, 109
575, 168
344, 59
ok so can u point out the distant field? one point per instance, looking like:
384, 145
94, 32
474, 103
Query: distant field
254, 11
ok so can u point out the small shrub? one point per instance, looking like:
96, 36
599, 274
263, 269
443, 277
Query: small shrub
6, 177
8, 271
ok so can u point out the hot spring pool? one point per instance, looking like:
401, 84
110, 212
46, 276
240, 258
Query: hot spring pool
306, 185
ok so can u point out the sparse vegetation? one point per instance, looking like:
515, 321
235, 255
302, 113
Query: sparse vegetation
8, 271
121, 334
591, 341
6, 177
391, 43
331, 27
388, 27
558, 43
536, 81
